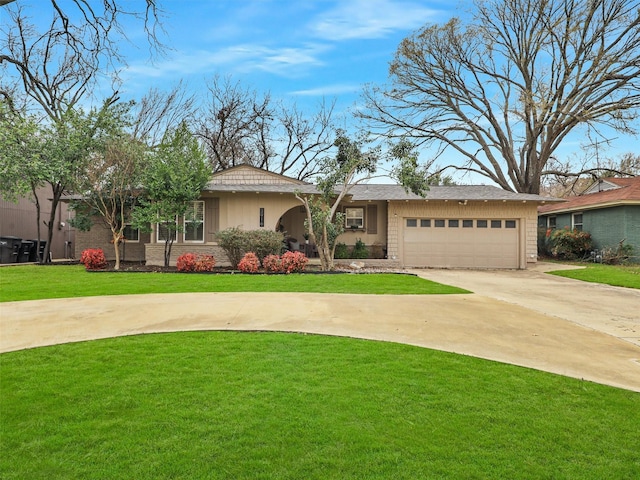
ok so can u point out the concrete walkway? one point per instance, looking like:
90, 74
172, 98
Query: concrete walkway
480, 324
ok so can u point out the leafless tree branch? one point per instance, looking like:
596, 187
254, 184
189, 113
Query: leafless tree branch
240, 126
505, 90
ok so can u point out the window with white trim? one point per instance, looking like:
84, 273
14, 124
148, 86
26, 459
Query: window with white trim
194, 222
551, 222
576, 219
163, 232
354, 217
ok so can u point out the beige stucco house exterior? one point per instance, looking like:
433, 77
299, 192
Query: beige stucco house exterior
452, 227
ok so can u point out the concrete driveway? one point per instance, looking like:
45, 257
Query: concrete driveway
518, 317
612, 310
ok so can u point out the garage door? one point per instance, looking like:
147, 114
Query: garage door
461, 243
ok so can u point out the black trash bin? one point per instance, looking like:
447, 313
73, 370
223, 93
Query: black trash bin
25, 251
36, 255
9, 249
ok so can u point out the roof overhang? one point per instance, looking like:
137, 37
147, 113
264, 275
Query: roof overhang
599, 206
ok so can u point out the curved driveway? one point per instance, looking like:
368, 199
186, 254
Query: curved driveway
526, 318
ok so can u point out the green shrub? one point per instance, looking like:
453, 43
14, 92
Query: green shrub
236, 242
264, 242
359, 250
570, 244
342, 251
232, 241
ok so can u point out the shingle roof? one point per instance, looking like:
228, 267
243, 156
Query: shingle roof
393, 192
629, 192
456, 192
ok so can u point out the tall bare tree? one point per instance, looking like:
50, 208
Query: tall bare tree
240, 126
160, 111
558, 183
505, 90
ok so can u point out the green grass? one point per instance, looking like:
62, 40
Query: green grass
616, 275
63, 281
220, 405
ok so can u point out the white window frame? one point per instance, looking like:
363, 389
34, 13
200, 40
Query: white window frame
186, 221
549, 221
162, 240
352, 218
577, 225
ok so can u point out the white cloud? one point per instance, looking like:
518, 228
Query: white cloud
328, 90
370, 19
245, 58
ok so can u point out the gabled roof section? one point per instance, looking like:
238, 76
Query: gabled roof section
620, 191
248, 175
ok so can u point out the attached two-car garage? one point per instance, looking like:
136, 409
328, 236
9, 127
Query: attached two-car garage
461, 243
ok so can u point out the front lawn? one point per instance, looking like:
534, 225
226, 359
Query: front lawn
32, 282
616, 275
220, 405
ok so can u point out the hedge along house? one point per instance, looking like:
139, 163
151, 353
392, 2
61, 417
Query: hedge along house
452, 227
609, 210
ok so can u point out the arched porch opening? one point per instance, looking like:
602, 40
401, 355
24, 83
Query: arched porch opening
291, 224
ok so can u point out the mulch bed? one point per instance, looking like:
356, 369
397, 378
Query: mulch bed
339, 268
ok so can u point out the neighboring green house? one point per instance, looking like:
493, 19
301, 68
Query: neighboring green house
609, 210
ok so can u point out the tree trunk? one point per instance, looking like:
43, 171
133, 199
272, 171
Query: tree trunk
116, 246
167, 250
55, 200
37, 202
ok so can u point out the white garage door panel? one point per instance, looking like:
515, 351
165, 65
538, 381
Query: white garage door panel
461, 247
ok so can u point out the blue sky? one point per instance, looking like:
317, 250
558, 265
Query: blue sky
300, 51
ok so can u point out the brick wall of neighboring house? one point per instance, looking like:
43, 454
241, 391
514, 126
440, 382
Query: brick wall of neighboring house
607, 226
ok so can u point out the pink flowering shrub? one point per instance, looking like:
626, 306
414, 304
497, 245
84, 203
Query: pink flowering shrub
249, 263
186, 262
294, 262
272, 264
93, 259
190, 262
205, 263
